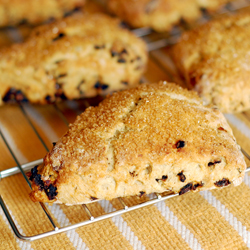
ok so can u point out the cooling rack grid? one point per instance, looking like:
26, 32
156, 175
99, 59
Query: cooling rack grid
66, 113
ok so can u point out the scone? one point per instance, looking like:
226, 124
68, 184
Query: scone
82, 55
34, 11
18, 33
151, 138
161, 15
214, 59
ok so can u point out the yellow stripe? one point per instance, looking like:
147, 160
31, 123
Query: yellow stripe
205, 222
100, 235
237, 201
8, 240
151, 227
29, 215
23, 140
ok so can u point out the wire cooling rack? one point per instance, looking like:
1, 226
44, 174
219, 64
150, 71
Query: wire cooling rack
154, 41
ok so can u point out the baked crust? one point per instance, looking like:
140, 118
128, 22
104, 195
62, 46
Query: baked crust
83, 55
151, 138
214, 60
20, 32
161, 15
34, 12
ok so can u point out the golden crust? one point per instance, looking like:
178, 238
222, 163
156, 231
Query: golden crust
214, 60
161, 15
34, 12
80, 56
152, 138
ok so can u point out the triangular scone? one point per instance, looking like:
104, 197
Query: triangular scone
34, 12
214, 59
79, 56
161, 15
152, 138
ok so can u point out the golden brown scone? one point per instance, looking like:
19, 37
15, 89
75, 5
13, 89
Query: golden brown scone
151, 138
215, 61
34, 12
80, 56
161, 15
20, 32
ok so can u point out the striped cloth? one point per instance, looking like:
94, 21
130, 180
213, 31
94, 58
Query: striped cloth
218, 219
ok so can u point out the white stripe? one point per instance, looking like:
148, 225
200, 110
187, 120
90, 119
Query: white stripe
241, 126
237, 225
247, 179
123, 226
22, 244
181, 229
64, 221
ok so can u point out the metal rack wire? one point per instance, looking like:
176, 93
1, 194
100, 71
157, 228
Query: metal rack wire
155, 44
